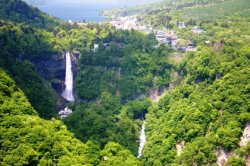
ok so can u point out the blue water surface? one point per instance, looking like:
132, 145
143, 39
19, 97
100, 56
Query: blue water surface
88, 12
84, 11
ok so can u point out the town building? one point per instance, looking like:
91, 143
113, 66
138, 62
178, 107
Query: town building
65, 113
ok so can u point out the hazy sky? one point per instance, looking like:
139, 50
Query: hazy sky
125, 2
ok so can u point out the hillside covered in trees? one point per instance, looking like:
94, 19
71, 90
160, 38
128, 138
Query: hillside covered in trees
199, 117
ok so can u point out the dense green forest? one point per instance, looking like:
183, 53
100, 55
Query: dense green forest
162, 7
206, 111
27, 139
205, 106
127, 64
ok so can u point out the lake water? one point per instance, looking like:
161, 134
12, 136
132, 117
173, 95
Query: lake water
89, 12
84, 11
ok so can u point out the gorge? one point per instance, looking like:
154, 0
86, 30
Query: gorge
129, 101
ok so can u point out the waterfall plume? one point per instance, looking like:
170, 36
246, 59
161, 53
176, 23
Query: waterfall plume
68, 91
142, 139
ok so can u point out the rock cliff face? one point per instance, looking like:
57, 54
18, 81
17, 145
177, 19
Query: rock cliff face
75, 55
222, 156
53, 69
179, 147
246, 135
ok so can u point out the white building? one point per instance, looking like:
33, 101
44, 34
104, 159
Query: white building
65, 113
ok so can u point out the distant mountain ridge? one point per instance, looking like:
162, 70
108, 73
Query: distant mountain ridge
163, 6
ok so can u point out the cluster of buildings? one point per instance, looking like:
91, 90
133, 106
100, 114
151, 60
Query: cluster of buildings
188, 48
80, 23
163, 37
65, 113
195, 29
130, 22
166, 37
171, 39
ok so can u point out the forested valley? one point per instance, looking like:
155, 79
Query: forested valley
194, 104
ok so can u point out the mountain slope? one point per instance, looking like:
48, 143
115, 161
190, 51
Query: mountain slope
19, 42
164, 6
207, 112
240, 8
205, 117
19, 12
27, 139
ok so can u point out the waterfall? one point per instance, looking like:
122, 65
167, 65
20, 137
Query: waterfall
142, 139
68, 92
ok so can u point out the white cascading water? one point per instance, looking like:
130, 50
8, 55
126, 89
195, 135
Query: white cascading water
68, 91
142, 139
